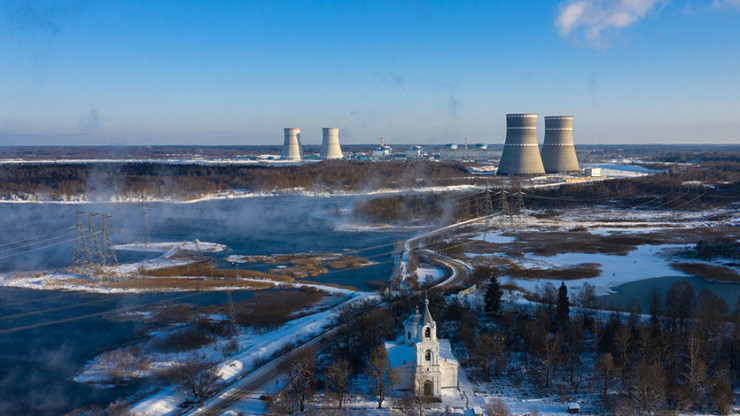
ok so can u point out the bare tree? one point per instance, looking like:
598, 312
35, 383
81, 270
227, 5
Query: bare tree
649, 388
301, 370
722, 393
548, 354
380, 374
420, 400
623, 338
605, 366
695, 371
586, 300
497, 408
197, 376
337, 376
572, 350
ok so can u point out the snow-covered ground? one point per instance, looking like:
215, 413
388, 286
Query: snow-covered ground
173, 254
170, 249
494, 238
645, 262
253, 349
428, 274
26, 198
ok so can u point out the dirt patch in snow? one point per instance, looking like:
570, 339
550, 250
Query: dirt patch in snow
271, 307
708, 271
579, 271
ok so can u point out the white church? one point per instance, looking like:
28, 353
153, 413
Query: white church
423, 363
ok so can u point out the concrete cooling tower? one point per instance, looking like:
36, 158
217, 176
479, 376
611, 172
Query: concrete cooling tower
292, 145
330, 145
558, 151
521, 154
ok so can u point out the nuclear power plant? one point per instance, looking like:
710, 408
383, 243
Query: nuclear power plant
330, 148
292, 149
521, 155
558, 150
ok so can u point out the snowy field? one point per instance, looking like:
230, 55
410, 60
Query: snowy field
645, 262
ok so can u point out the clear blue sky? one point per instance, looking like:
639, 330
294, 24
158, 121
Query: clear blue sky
237, 72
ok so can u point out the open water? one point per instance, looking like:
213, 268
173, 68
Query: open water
37, 363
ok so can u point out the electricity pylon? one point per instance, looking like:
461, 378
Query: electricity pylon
106, 249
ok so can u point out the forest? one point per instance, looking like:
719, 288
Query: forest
159, 180
682, 354
696, 186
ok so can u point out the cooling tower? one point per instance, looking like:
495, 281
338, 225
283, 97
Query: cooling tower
330, 145
521, 154
292, 145
558, 151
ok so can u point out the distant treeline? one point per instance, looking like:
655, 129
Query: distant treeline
709, 184
66, 180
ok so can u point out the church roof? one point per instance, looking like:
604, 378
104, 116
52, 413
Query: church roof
427, 319
400, 353
413, 319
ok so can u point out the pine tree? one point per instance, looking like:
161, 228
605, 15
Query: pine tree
493, 296
562, 310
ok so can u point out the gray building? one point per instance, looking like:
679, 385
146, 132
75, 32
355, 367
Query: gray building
558, 150
521, 155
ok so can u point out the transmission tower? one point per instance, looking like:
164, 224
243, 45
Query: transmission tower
106, 249
79, 256
488, 204
518, 208
503, 205
145, 223
92, 249
488, 213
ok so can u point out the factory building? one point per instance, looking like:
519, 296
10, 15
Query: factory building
415, 152
383, 151
477, 153
330, 148
521, 155
292, 149
558, 150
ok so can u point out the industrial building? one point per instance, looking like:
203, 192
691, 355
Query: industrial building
558, 150
330, 148
476, 153
383, 151
415, 152
292, 149
521, 155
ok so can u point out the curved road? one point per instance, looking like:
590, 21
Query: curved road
245, 387
460, 270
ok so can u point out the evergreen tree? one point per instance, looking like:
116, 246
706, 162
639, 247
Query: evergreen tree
493, 295
563, 306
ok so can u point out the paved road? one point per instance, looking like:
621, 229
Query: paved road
246, 387
460, 270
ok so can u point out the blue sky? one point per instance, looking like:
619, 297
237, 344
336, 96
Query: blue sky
237, 72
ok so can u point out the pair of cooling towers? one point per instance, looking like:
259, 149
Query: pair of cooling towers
521, 155
293, 150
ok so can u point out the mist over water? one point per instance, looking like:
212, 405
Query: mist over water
269, 225
39, 363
